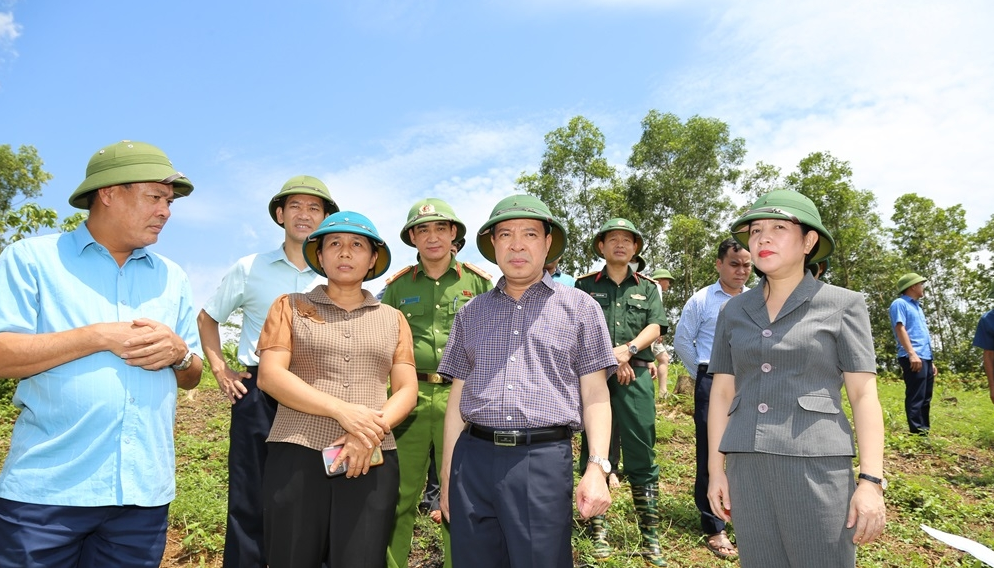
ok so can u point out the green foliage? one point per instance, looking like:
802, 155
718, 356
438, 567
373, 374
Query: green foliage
199, 511
682, 176
570, 179
22, 177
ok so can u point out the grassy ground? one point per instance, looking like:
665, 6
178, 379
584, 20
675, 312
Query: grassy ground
945, 481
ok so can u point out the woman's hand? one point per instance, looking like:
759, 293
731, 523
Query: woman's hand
366, 424
721, 503
356, 453
867, 513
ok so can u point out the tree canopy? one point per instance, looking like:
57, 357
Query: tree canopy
680, 186
22, 178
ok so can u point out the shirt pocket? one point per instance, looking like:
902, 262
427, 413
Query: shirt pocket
412, 310
636, 314
819, 403
462, 298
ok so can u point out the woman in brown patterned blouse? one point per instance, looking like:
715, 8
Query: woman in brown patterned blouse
328, 356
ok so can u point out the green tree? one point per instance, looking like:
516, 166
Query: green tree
862, 260
22, 178
571, 180
682, 176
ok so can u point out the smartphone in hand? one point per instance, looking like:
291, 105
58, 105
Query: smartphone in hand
331, 452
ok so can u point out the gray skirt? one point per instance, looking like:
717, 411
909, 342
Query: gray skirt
791, 511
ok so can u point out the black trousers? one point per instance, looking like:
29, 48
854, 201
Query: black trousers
251, 420
312, 519
710, 524
918, 394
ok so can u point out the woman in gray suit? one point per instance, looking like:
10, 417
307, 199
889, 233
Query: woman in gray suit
781, 445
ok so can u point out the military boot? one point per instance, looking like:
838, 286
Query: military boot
598, 537
645, 499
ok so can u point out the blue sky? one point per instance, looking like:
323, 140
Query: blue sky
389, 101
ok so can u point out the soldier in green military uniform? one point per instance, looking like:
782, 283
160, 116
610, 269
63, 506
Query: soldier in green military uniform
429, 294
635, 318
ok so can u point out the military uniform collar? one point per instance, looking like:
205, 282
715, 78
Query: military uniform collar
631, 274
454, 264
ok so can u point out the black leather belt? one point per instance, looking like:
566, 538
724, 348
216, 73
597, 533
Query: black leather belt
523, 437
638, 363
703, 367
433, 378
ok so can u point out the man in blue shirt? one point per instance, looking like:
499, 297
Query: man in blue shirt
252, 284
100, 331
558, 275
693, 342
914, 351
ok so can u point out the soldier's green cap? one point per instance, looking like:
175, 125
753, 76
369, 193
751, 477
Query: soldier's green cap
347, 222
303, 185
908, 280
619, 224
521, 207
427, 211
129, 162
662, 274
789, 205
640, 263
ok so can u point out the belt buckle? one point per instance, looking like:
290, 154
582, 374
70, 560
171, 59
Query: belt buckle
434, 379
506, 438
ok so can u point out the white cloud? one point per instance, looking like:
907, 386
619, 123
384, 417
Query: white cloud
899, 89
9, 31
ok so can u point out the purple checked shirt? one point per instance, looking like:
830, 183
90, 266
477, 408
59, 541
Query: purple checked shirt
522, 360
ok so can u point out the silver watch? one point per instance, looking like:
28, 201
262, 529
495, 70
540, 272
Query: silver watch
604, 464
186, 362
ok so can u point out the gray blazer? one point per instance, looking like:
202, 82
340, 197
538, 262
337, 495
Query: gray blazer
788, 373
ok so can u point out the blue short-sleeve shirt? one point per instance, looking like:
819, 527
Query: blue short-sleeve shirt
94, 431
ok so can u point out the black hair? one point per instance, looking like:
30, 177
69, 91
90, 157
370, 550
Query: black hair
726, 245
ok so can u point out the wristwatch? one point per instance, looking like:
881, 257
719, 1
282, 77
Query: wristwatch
186, 362
879, 481
604, 464
632, 348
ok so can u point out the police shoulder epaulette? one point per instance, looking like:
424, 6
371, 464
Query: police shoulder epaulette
588, 275
479, 271
400, 273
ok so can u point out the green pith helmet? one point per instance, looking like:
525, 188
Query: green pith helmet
347, 222
521, 207
129, 162
818, 269
789, 205
639, 263
618, 224
908, 280
303, 185
428, 210
662, 274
